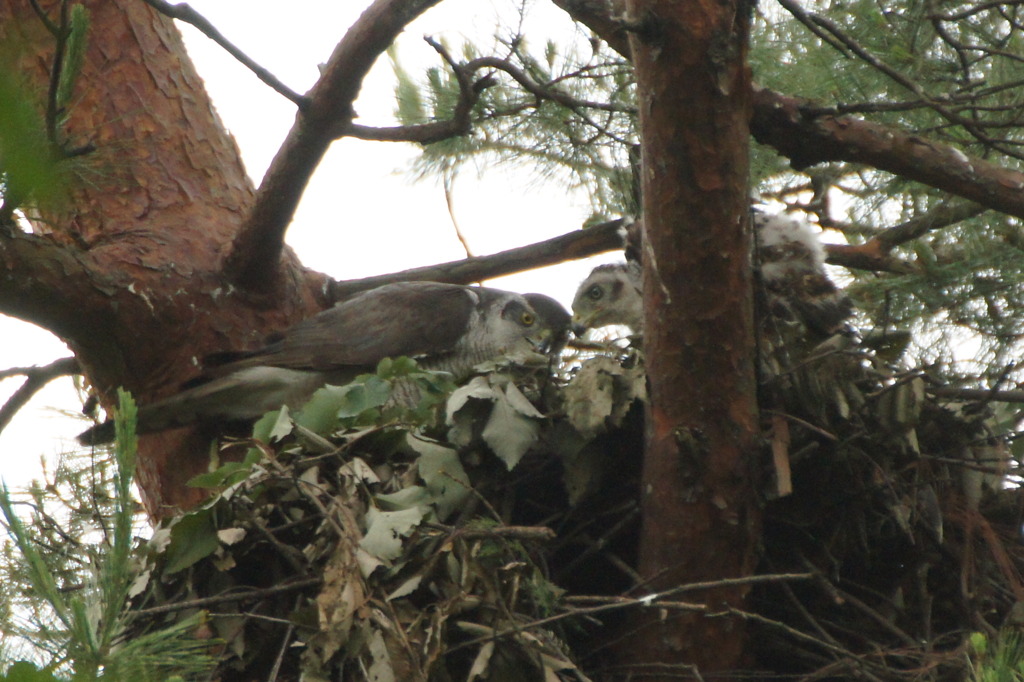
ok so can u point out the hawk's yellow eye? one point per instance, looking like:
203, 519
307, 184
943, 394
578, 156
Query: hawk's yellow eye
526, 318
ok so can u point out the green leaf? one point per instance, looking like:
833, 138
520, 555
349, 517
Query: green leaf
193, 537
409, 108
331, 404
228, 474
269, 426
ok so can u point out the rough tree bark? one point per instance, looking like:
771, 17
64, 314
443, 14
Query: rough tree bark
134, 274
165, 252
700, 518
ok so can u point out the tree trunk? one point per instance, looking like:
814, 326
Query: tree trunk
129, 273
700, 517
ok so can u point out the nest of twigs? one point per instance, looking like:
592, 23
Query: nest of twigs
473, 539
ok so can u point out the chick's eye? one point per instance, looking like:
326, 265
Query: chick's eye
595, 293
526, 318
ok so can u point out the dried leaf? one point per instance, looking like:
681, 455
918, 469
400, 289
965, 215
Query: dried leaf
380, 669
508, 432
780, 455
229, 536
481, 662
406, 588
341, 595
601, 394
385, 530
443, 475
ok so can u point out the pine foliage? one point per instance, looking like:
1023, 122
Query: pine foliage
949, 73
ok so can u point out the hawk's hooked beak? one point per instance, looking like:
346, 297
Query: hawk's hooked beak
542, 341
580, 324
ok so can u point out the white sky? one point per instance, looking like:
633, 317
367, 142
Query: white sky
361, 215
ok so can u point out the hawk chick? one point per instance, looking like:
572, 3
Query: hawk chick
792, 268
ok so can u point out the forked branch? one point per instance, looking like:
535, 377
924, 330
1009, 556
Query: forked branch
257, 249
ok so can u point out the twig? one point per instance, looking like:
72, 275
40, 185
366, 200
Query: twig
543, 91
602, 542
449, 180
279, 659
35, 379
804, 423
184, 12
843, 597
532, 533
982, 394
234, 596
63, 31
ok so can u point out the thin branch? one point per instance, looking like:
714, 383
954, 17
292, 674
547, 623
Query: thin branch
63, 32
943, 215
45, 18
35, 379
229, 597
258, 247
977, 394
542, 91
435, 131
867, 256
184, 12
424, 133
570, 246
658, 600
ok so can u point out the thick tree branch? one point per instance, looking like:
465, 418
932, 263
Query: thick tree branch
571, 246
52, 286
801, 131
257, 248
848, 45
35, 379
597, 18
798, 130
184, 12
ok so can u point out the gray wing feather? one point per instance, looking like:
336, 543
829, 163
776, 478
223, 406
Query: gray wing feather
408, 318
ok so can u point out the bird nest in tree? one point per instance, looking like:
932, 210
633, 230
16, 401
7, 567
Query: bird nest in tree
492, 536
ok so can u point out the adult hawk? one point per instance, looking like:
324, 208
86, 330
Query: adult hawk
791, 261
445, 327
